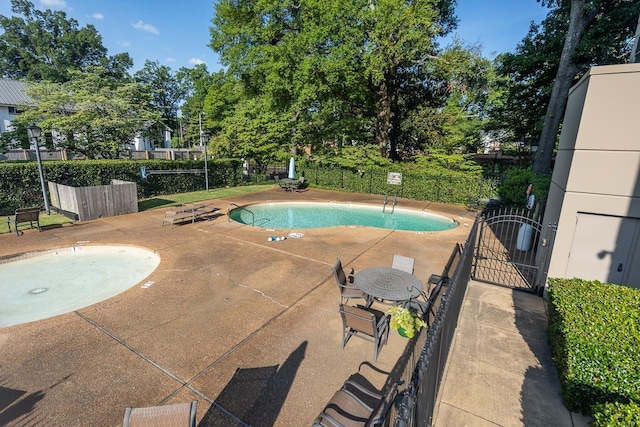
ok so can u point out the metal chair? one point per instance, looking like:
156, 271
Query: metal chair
366, 323
357, 403
345, 283
403, 263
179, 414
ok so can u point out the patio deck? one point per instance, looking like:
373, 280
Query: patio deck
248, 327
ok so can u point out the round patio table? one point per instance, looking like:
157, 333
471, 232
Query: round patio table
387, 283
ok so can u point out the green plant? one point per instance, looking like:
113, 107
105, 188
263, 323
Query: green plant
406, 319
595, 339
513, 189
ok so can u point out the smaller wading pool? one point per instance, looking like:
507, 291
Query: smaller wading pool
40, 285
315, 215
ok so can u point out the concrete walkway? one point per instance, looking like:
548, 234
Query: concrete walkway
500, 371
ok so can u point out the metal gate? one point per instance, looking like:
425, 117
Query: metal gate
506, 250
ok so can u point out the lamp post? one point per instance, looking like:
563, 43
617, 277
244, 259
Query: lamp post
206, 169
534, 151
34, 133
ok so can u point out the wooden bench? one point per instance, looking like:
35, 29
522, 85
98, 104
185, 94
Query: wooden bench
189, 212
23, 216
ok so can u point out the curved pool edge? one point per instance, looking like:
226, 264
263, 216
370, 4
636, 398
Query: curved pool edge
86, 247
69, 283
443, 218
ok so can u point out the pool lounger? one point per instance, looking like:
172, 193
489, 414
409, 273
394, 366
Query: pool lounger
188, 212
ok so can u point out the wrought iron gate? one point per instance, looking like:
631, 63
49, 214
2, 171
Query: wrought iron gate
506, 250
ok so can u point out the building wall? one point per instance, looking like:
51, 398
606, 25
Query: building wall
597, 165
5, 118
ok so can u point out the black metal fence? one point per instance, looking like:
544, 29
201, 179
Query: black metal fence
507, 249
426, 364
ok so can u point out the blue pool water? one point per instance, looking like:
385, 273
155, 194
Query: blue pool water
316, 215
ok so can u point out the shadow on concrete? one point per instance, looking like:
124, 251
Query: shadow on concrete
10, 412
540, 394
254, 396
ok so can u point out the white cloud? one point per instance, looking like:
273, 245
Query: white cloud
53, 3
146, 27
170, 59
97, 16
196, 61
125, 44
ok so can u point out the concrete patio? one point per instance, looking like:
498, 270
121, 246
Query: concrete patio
250, 328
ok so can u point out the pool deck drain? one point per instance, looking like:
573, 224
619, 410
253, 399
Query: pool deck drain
248, 328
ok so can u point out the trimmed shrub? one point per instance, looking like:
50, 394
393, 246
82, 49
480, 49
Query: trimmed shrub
617, 415
594, 333
21, 182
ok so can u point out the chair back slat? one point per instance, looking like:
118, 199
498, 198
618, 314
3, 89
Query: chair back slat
360, 319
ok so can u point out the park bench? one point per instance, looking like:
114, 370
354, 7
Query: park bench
24, 216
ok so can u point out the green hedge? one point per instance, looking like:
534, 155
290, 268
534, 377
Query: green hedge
448, 187
21, 183
617, 415
594, 333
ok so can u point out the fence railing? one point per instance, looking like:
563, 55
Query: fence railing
161, 154
425, 370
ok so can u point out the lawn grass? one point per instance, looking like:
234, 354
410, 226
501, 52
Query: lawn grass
50, 220
158, 202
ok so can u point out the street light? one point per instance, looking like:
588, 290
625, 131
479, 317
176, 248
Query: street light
534, 151
34, 133
206, 169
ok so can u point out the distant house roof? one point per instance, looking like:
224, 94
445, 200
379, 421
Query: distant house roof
12, 92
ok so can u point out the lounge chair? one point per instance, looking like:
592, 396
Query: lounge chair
280, 184
403, 263
188, 212
298, 185
357, 403
179, 414
345, 284
366, 323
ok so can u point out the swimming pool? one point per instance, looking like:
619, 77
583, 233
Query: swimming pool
315, 215
44, 284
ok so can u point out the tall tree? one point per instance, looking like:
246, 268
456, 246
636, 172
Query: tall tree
595, 16
400, 37
331, 65
195, 82
44, 45
165, 88
92, 113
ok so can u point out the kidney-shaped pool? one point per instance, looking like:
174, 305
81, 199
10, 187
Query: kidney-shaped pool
315, 215
44, 284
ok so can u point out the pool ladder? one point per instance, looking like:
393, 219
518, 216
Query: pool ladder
393, 206
253, 217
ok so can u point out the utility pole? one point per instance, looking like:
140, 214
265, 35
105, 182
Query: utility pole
206, 169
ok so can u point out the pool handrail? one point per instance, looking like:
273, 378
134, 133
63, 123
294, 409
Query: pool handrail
253, 217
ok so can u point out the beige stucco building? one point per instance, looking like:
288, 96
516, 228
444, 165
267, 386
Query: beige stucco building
595, 192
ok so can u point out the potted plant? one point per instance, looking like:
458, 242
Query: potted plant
405, 321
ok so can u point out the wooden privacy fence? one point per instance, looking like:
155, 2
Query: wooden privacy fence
119, 198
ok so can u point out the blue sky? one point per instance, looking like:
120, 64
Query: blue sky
176, 33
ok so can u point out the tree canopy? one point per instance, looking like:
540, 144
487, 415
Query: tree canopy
353, 72
92, 113
44, 45
575, 35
